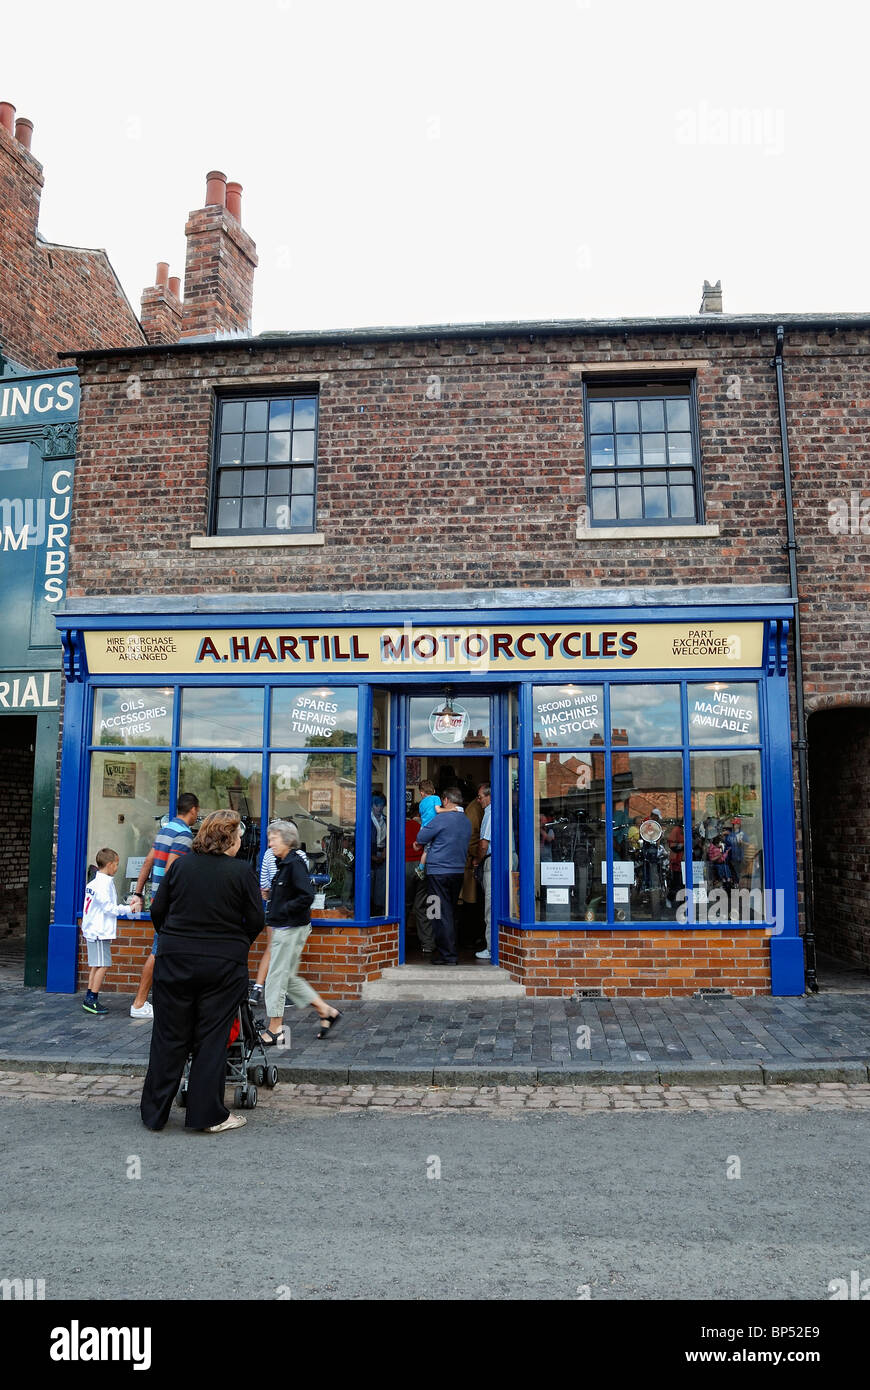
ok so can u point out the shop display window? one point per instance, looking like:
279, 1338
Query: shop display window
317, 791
222, 717
129, 795
568, 716
727, 839
315, 717
570, 844
141, 717
445, 721
648, 837
646, 716
723, 712
227, 781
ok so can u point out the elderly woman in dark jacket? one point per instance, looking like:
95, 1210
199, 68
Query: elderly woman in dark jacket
207, 912
289, 916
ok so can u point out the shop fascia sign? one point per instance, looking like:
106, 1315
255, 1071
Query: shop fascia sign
29, 690
436, 648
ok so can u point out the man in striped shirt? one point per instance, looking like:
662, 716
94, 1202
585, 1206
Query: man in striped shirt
174, 839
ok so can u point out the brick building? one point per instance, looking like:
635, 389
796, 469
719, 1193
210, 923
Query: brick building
52, 297
552, 556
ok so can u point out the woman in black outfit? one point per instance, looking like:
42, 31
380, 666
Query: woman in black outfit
207, 912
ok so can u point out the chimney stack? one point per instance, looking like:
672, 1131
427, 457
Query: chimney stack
161, 307
219, 271
711, 298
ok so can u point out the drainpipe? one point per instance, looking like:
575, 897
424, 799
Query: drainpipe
803, 779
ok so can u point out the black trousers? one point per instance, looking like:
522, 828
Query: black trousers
195, 998
446, 888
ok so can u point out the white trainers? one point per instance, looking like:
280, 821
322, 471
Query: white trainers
482, 955
146, 1011
231, 1122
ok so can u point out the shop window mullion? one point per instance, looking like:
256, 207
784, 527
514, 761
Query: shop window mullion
688, 820
608, 805
526, 847
362, 862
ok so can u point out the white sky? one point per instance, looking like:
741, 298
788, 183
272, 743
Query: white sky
407, 162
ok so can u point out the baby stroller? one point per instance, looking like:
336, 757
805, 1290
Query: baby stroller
247, 1064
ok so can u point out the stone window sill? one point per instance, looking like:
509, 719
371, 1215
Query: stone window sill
645, 533
263, 542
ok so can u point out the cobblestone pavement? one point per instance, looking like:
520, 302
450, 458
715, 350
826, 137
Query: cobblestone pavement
107, 1088
515, 1041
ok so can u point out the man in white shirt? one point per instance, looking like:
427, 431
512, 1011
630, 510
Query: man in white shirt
484, 857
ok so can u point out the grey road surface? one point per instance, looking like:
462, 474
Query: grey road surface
315, 1205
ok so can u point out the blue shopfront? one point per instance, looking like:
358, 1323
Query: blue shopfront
639, 756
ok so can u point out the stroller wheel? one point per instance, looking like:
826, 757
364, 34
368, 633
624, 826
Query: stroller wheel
181, 1098
271, 1076
258, 1075
239, 1097
251, 1098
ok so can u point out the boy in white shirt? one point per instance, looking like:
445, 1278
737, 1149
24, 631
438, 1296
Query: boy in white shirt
100, 924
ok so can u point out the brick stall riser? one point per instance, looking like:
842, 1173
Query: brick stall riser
645, 964
336, 960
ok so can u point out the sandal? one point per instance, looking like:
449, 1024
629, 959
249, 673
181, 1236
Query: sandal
275, 1039
328, 1024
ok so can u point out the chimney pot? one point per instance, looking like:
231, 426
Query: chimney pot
24, 131
711, 298
7, 116
234, 200
215, 189
162, 274
175, 286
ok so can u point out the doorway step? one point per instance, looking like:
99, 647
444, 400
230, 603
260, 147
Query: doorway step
447, 983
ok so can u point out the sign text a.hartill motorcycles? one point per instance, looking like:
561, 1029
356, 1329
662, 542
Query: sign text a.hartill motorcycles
642, 646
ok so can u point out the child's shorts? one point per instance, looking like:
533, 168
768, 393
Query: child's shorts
99, 953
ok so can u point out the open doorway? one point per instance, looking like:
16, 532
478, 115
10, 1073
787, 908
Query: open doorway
444, 770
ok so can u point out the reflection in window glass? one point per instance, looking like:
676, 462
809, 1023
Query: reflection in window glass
133, 716
647, 716
379, 811
570, 841
226, 782
129, 795
727, 843
317, 717
380, 719
434, 722
723, 712
221, 717
568, 716
318, 792
648, 837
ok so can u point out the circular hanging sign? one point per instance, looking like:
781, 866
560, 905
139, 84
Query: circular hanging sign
449, 724
651, 831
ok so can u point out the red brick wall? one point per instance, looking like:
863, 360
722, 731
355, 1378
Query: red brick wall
640, 963
336, 961
480, 488
51, 297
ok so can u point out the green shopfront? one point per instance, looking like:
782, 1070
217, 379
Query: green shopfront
639, 758
38, 422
